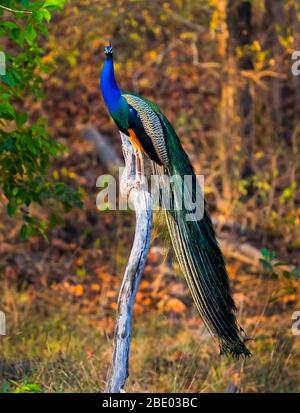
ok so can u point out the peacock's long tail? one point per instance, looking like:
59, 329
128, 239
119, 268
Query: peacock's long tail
199, 255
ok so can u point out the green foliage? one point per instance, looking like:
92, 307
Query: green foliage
26, 148
281, 271
24, 387
277, 268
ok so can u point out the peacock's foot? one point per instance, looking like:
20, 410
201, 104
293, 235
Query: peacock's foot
129, 185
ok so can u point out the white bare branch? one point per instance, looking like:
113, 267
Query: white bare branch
141, 200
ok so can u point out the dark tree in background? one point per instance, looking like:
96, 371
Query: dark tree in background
239, 17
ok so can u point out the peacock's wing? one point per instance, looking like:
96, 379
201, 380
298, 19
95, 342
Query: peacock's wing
147, 126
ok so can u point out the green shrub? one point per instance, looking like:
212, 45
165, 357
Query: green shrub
26, 148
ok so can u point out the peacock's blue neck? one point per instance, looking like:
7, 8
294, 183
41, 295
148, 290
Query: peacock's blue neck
109, 88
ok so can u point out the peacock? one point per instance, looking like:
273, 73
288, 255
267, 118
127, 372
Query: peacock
194, 241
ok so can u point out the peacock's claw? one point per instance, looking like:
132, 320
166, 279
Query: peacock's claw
129, 186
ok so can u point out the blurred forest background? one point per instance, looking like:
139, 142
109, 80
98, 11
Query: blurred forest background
221, 72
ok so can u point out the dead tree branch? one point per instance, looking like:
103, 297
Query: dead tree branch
140, 199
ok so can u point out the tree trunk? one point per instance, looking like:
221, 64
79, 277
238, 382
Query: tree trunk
227, 129
240, 36
274, 16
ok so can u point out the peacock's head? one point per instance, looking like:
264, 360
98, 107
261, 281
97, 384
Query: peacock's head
108, 50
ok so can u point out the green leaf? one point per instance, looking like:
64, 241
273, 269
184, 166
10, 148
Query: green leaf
24, 232
7, 111
42, 14
21, 118
268, 255
11, 208
9, 25
43, 233
17, 35
60, 188
265, 252
54, 3
31, 145
53, 150
43, 30
266, 264
286, 274
8, 80
30, 33
27, 388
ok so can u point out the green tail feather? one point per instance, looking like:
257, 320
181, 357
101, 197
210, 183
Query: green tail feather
201, 259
